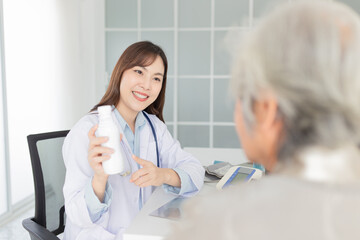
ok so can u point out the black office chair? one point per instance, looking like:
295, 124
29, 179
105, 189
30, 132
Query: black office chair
49, 176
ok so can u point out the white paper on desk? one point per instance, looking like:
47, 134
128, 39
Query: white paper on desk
171, 210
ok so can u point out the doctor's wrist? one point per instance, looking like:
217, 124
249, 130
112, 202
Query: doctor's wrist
99, 185
101, 179
171, 177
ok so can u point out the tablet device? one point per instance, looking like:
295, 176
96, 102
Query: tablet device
238, 174
171, 210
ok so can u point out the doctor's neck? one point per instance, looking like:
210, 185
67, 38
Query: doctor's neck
128, 115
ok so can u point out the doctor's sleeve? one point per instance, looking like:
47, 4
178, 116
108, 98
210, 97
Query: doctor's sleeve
95, 207
78, 175
187, 185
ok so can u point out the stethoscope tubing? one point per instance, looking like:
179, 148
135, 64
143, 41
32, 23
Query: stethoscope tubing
154, 134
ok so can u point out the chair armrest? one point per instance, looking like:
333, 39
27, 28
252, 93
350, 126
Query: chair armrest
37, 231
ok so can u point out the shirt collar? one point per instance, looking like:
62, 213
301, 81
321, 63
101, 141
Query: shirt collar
139, 121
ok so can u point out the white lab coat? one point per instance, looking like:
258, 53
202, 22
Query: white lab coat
125, 195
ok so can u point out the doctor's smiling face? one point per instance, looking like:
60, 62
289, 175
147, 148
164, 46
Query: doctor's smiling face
140, 86
138, 81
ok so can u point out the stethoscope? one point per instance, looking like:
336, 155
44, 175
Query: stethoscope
154, 134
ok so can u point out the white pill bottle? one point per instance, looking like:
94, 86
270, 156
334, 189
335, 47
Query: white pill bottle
108, 128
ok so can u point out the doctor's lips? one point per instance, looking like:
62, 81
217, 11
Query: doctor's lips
140, 96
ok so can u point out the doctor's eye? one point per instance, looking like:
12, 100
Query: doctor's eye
138, 71
157, 79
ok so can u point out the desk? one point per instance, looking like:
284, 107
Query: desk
146, 227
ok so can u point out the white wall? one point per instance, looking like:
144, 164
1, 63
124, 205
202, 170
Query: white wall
52, 53
3, 186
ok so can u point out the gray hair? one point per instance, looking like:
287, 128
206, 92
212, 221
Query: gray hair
307, 54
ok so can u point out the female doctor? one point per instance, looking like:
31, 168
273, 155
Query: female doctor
101, 206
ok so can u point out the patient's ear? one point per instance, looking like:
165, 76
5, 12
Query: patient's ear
269, 129
265, 111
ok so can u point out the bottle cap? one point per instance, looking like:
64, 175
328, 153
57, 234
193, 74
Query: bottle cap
104, 110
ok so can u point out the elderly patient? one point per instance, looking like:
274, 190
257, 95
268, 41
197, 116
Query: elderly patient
297, 85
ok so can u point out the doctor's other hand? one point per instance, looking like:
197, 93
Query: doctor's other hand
151, 175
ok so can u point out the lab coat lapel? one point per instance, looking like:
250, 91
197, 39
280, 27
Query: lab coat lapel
144, 147
144, 141
133, 165
121, 131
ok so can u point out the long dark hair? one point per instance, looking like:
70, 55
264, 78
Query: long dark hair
138, 54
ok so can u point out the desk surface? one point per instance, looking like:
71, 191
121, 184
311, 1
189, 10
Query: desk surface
146, 227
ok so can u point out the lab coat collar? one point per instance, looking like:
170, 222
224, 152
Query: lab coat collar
120, 123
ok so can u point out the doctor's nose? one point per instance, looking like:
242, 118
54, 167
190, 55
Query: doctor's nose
146, 83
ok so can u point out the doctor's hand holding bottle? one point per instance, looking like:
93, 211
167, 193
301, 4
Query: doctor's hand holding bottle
97, 154
148, 175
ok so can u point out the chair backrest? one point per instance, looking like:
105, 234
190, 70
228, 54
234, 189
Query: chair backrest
49, 176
